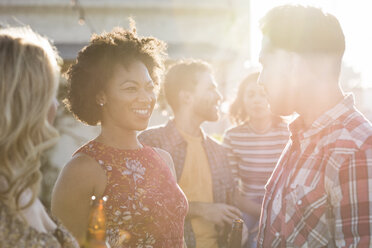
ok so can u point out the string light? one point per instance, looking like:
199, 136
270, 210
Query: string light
82, 20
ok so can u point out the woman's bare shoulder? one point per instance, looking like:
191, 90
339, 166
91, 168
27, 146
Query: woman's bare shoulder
83, 164
83, 172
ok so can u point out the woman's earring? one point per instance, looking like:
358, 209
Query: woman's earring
101, 104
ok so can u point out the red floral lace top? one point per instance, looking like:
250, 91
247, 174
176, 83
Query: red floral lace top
145, 206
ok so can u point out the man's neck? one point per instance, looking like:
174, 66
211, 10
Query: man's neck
318, 103
188, 124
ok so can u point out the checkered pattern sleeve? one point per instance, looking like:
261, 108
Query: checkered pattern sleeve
349, 188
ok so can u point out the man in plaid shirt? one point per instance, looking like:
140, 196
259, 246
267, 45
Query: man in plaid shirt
320, 193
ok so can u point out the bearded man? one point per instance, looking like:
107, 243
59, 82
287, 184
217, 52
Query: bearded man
200, 162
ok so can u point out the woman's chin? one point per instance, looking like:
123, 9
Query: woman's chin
142, 127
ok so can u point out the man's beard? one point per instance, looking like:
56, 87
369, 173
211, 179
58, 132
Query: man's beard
207, 112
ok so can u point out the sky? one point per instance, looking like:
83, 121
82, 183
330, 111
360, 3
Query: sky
355, 18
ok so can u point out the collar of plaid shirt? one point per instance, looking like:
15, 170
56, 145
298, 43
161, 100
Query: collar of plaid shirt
175, 136
299, 131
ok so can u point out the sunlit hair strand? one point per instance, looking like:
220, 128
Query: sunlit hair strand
29, 75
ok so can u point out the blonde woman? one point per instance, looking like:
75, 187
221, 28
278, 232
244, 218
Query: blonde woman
28, 82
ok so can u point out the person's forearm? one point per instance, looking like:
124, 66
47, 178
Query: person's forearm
248, 206
196, 209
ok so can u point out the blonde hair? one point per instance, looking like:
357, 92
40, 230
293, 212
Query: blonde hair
29, 75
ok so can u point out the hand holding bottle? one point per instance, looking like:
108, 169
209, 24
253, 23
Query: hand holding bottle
96, 233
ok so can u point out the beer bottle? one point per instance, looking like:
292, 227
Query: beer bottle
96, 233
235, 240
223, 237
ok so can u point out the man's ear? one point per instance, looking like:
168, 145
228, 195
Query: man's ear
185, 97
101, 98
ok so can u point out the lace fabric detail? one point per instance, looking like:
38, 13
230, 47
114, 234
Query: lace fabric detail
14, 232
145, 206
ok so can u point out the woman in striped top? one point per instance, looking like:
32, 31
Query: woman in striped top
254, 146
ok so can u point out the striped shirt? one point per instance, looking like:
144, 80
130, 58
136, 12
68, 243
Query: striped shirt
320, 193
253, 156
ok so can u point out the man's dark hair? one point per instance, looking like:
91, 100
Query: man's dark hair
182, 76
95, 65
304, 30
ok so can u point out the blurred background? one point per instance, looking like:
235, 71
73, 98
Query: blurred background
223, 32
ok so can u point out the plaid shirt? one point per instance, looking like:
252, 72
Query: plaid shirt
168, 138
320, 193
